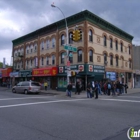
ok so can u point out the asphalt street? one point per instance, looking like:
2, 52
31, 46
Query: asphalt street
54, 117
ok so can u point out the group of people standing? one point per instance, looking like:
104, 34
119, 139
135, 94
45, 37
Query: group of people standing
95, 88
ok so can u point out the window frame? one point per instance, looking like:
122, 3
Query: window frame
91, 55
111, 60
105, 41
79, 56
90, 35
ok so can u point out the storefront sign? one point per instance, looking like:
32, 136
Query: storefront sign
6, 72
81, 68
50, 71
24, 73
61, 70
14, 74
98, 67
90, 68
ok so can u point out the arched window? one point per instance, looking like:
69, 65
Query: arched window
79, 55
105, 58
105, 44
117, 61
31, 48
27, 64
71, 56
130, 64
90, 35
42, 45
27, 50
70, 38
35, 47
91, 56
62, 58
121, 47
42, 61
47, 60
62, 39
47, 44
53, 59
31, 61
53, 42
129, 51
111, 59
116, 44
111, 43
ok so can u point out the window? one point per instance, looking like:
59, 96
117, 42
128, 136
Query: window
129, 50
116, 42
62, 58
27, 51
129, 63
47, 60
42, 45
121, 47
91, 56
70, 38
111, 59
111, 43
53, 59
53, 42
35, 84
21, 64
105, 44
105, 59
71, 56
62, 39
48, 44
42, 61
117, 61
79, 55
90, 35
31, 50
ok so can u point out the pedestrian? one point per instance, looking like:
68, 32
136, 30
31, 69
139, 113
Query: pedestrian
89, 91
45, 85
113, 88
77, 87
109, 88
69, 89
96, 90
93, 87
125, 87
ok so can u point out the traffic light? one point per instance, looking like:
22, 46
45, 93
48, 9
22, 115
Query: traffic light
74, 35
72, 73
79, 35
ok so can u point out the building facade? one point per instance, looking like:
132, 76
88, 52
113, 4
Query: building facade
103, 51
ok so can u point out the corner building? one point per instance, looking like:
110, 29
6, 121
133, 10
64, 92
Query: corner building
103, 52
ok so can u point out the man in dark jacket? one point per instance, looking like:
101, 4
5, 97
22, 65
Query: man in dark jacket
77, 88
69, 88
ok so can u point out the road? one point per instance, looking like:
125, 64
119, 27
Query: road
46, 117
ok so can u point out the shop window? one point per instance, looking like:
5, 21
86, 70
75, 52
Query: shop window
105, 43
62, 82
91, 56
79, 55
70, 38
90, 35
62, 39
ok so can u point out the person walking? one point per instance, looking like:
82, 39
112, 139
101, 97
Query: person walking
77, 87
89, 91
93, 87
69, 89
45, 85
125, 87
96, 90
109, 88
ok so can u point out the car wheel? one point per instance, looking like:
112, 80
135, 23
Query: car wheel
25, 91
13, 90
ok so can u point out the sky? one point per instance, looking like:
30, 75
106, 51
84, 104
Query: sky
20, 17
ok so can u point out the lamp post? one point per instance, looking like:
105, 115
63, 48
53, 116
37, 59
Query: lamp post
66, 38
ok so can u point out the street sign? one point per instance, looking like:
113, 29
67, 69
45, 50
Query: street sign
70, 48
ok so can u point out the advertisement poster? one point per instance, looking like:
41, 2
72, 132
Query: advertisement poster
111, 75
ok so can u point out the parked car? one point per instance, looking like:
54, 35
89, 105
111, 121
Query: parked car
27, 87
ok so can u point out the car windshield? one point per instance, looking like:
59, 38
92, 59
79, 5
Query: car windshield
35, 84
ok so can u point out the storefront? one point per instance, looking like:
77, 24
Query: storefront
25, 75
46, 74
85, 72
14, 78
6, 77
137, 79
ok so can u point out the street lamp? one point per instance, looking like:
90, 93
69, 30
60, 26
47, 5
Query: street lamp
66, 38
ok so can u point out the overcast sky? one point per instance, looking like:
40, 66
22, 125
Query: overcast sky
20, 17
